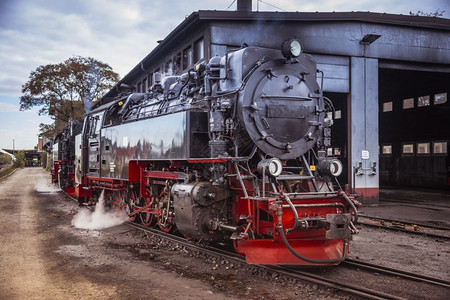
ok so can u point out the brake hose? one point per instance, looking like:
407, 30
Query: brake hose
298, 255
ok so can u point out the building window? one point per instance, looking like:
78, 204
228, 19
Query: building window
423, 148
387, 106
150, 80
408, 149
387, 150
168, 67
188, 59
408, 103
337, 114
440, 148
138, 87
157, 76
176, 63
423, 101
144, 85
440, 98
199, 50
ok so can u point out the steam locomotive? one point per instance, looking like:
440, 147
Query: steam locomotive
233, 150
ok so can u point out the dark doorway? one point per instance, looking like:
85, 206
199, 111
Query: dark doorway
339, 145
414, 133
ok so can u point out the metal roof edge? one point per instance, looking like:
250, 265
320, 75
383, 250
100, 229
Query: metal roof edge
206, 15
372, 17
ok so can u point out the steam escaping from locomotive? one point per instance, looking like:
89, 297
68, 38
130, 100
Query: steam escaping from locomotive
93, 77
44, 187
100, 218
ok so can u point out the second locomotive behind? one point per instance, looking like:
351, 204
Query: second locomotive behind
234, 149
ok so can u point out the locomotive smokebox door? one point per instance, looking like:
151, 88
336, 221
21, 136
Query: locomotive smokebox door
281, 106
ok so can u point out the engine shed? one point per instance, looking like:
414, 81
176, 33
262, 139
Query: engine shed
387, 75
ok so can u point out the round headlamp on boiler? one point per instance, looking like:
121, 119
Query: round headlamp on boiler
271, 166
291, 48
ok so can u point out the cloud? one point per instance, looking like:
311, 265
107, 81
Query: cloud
8, 107
121, 33
23, 127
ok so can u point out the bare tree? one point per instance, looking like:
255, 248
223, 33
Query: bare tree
435, 14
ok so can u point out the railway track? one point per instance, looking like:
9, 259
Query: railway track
397, 273
421, 229
329, 277
311, 275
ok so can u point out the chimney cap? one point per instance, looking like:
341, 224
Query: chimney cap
244, 5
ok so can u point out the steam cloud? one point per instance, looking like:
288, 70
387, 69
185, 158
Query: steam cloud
43, 186
93, 77
99, 218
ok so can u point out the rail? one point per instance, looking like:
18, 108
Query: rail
404, 226
302, 275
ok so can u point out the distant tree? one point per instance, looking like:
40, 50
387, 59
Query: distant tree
20, 159
66, 90
49, 130
44, 159
435, 14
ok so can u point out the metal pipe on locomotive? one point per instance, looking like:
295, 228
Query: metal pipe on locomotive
234, 149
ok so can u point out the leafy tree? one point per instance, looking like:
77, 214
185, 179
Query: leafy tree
435, 14
66, 90
20, 159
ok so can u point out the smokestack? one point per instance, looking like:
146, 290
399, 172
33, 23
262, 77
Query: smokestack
244, 5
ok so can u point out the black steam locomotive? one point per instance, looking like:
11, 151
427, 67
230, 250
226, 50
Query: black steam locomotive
234, 149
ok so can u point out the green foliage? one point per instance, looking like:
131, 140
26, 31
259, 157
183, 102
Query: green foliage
65, 90
49, 130
5, 159
20, 159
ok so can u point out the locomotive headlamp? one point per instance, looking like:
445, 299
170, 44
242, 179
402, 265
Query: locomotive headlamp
336, 167
271, 166
291, 48
331, 167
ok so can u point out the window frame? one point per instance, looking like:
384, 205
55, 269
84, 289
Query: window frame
440, 103
441, 153
426, 103
410, 103
382, 149
423, 154
386, 104
197, 54
413, 149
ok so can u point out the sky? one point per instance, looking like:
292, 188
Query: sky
120, 33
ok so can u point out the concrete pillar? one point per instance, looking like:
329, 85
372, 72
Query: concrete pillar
364, 129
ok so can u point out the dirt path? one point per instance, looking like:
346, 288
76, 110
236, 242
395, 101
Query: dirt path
27, 266
43, 257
